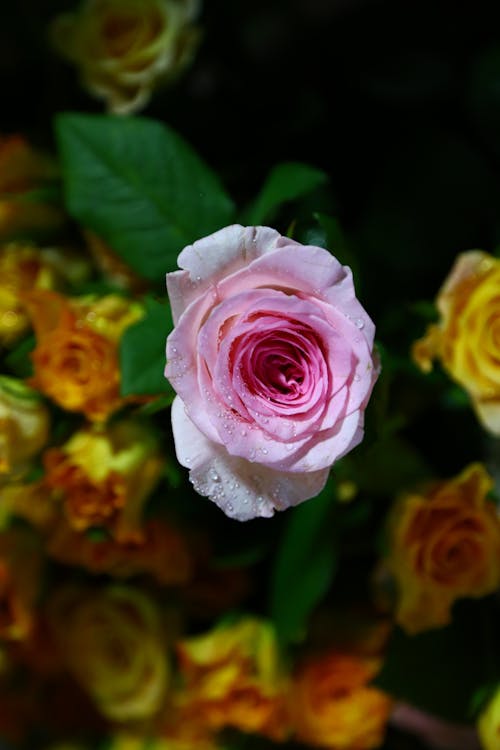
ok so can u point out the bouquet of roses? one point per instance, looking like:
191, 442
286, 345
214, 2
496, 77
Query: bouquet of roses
216, 528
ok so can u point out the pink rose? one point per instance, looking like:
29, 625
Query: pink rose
272, 360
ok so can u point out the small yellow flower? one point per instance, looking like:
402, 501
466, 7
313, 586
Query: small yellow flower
104, 476
24, 426
444, 545
113, 642
124, 48
76, 356
489, 723
334, 705
232, 677
467, 337
21, 269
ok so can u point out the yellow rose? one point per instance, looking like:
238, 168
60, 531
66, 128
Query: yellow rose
21, 269
467, 337
333, 704
444, 544
76, 355
489, 723
124, 48
232, 677
103, 477
24, 425
113, 642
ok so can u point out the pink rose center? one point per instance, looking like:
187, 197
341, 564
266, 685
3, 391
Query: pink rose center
281, 366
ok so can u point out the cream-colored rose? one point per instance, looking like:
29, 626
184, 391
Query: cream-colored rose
114, 644
467, 337
124, 48
24, 426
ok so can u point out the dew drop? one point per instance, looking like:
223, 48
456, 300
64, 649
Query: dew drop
214, 476
359, 323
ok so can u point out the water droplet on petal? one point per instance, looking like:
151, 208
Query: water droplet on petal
359, 323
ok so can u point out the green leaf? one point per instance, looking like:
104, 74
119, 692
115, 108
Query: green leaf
305, 564
441, 670
142, 352
140, 187
18, 360
286, 182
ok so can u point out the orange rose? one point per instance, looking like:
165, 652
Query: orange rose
444, 544
123, 48
467, 338
232, 677
76, 356
113, 643
103, 477
333, 704
162, 553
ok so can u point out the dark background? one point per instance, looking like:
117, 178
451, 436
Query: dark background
399, 101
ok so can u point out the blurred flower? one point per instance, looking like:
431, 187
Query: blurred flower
104, 475
23, 172
489, 723
162, 553
20, 570
334, 705
22, 268
444, 544
76, 356
467, 338
233, 678
24, 425
124, 48
130, 741
114, 644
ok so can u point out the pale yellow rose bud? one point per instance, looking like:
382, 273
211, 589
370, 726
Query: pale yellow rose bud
114, 643
124, 48
24, 426
489, 723
104, 475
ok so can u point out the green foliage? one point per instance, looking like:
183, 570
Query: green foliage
140, 187
18, 360
440, 670
286, 182
142, 352
305, 564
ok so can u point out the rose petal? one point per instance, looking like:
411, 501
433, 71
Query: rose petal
243, 490
212, 258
